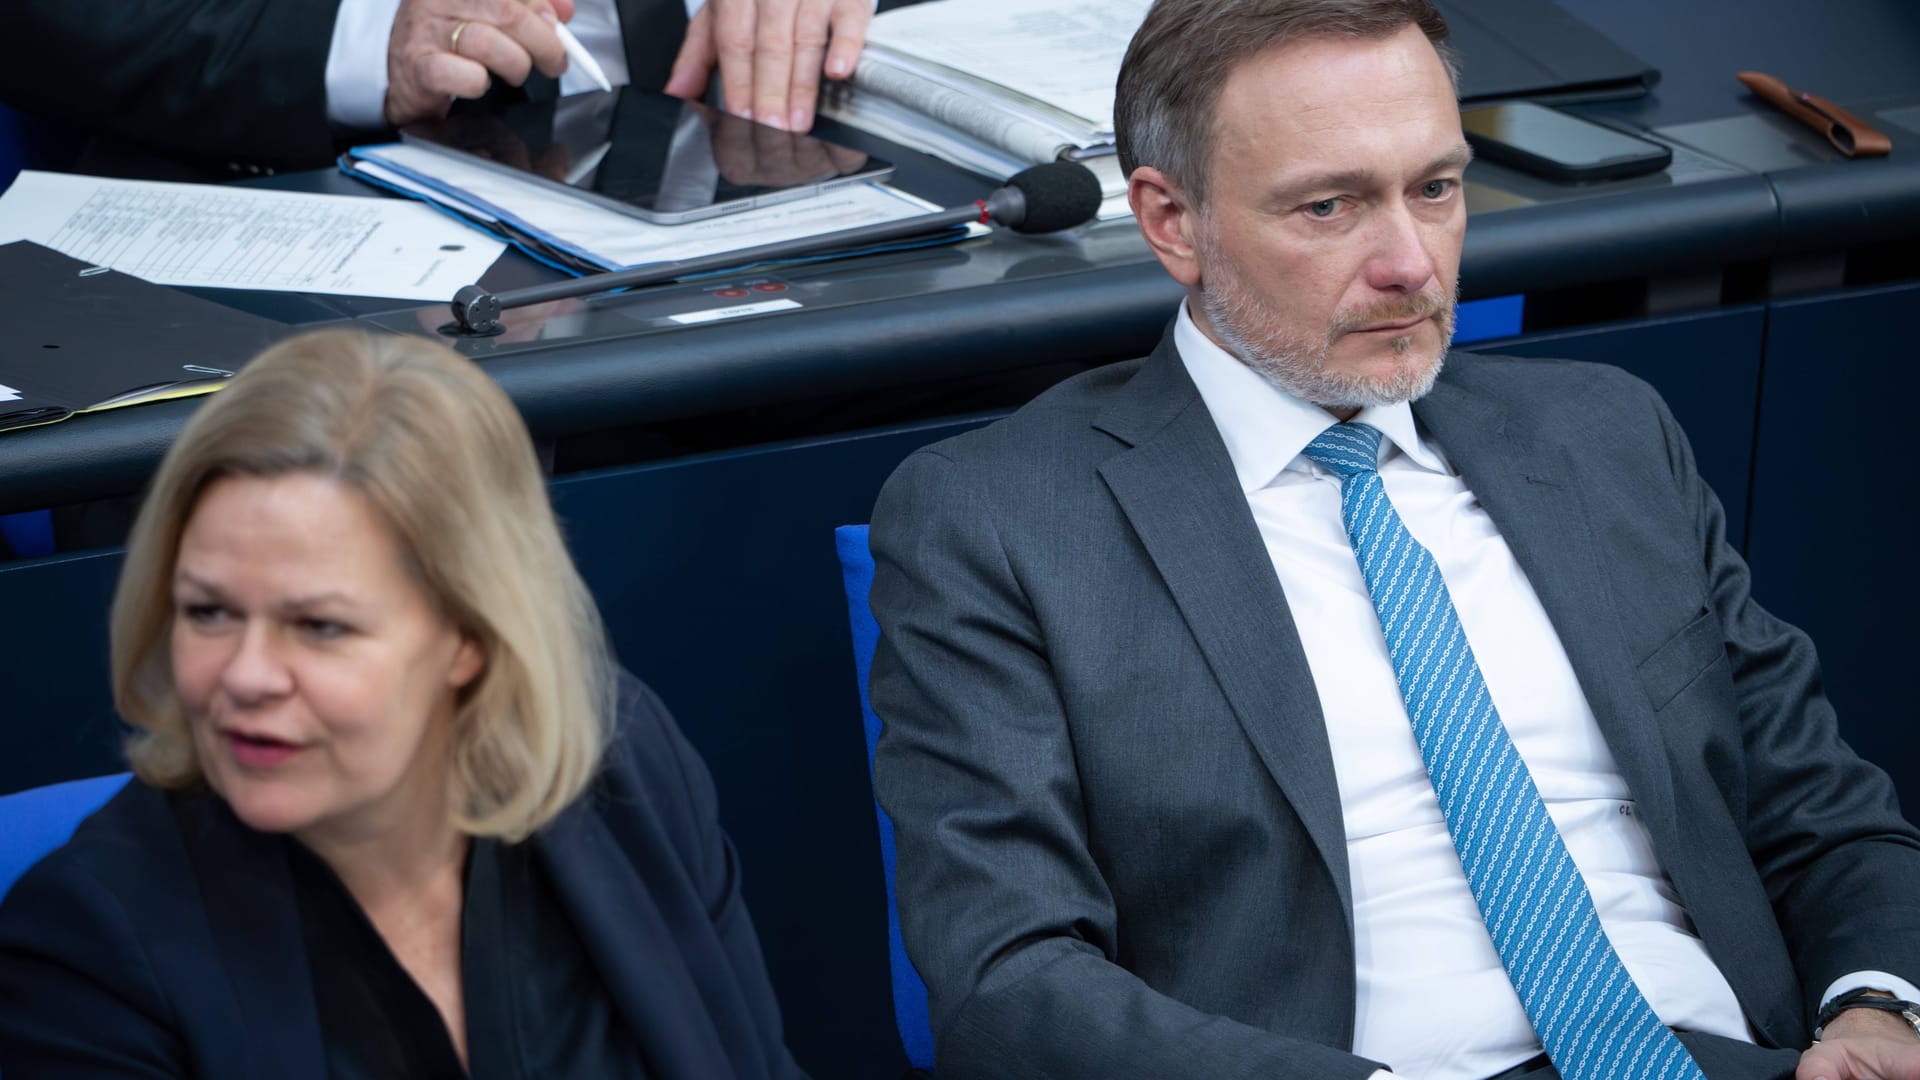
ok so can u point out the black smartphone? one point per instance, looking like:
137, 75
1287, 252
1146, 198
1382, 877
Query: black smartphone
655, 157
1557, 145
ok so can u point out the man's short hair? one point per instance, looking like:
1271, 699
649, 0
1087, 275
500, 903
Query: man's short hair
1183, 52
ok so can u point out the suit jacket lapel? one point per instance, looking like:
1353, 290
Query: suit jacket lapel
254, 925
1178, 490
1530, 486
632, 945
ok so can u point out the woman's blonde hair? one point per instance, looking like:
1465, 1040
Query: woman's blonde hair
439, 452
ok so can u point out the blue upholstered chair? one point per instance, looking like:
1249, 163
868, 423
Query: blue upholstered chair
909, 993
35, 822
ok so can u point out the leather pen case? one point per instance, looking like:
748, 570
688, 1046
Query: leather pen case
1848, 133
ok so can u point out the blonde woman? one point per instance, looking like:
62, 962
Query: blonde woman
397, 813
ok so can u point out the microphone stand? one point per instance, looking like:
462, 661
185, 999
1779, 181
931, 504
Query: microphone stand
476, 312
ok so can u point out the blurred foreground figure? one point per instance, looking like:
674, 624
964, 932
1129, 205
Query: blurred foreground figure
397, 812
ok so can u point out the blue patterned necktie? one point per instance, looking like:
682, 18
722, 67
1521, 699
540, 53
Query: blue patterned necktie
1590, 1017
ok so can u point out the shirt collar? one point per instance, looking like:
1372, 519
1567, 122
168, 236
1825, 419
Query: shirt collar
1265, 428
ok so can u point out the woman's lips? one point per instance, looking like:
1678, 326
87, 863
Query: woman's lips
259, 751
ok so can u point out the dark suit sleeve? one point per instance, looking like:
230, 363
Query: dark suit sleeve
78, 995
1839, 863
1004, 911
670, 774
214, 79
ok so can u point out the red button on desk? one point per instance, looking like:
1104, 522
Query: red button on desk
730, 294
770, 286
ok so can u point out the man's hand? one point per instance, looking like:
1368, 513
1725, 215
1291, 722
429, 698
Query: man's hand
1863, 1044
771, 54
428, 64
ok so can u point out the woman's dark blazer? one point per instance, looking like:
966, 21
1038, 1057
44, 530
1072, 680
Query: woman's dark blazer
164, 940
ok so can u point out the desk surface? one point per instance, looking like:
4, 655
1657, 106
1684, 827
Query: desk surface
1746, 186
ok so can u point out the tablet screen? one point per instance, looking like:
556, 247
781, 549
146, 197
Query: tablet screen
661, 157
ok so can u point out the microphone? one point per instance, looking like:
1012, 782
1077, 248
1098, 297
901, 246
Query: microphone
1045, 198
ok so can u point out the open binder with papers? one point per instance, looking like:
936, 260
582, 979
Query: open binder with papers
82, 338
582, 237
614, 181
996, 85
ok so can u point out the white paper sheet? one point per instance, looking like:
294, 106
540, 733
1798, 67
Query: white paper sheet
1063, 52
619, 240
246, 238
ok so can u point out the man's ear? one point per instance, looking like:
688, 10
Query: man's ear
1167, 221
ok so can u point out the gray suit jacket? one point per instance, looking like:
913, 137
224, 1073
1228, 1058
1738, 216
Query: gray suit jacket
1120, 842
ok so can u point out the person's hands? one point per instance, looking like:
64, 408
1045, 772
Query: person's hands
771, 54
429, 64
1863, 1044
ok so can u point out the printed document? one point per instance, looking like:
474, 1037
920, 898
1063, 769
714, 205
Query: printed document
1064, 53
248, 238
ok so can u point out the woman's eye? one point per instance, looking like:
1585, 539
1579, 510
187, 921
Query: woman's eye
323, 629
204, 615
1323, 208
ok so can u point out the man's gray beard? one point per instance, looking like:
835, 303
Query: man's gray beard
1300, 367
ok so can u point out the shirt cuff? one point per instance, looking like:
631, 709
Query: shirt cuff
357, 64
1870, 980
1382, 1074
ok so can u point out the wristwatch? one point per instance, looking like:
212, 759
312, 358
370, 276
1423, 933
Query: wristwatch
1865, 998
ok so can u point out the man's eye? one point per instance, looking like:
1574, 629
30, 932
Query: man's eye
1437, 189
1323, 208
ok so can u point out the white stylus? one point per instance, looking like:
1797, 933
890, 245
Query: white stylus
581, 58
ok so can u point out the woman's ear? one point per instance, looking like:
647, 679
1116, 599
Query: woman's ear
469, 660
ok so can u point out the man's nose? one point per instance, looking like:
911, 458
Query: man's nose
256, 672
1400, 260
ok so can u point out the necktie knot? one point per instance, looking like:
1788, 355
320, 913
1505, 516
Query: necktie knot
1346, 450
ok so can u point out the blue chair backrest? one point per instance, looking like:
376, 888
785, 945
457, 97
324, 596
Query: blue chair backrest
36, 821
909, 992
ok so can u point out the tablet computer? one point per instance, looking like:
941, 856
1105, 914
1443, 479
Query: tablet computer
658, 158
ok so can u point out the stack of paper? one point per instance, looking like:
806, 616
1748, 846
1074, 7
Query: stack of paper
995, 85
246, 238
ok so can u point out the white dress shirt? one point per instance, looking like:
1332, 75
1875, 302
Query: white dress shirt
1433, 999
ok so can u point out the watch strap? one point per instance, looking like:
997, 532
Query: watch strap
1866, 998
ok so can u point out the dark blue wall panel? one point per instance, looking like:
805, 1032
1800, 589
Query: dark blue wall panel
56, 707
1836, 533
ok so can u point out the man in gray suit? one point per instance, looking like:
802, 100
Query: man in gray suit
1280, 706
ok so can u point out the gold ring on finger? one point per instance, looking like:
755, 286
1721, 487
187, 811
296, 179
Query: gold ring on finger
453, 46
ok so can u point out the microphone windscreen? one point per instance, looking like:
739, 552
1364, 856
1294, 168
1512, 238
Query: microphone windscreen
1058, 194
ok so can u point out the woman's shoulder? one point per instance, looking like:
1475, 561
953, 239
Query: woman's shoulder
652, 774
118, 843
134, 848
77, 933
